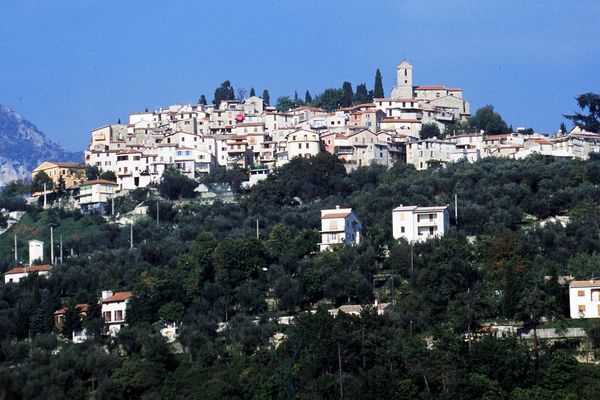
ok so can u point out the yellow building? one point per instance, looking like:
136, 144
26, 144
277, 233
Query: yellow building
72, 173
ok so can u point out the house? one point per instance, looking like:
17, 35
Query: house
303, 143
114, 308
95, 195
71, 173
584, 299
59, 315
14, 275
339, 226
417, 224
356, 309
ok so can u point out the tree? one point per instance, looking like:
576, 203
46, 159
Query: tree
173, 185
266, 98
347, 94
109, 176
307, 98
242, 94
37, 184
224, 92
563, 128
430, 130
202, 100
296, 97
362, 94
378, 87
252, 92
284, 103
488, 121
591, 121
330, 99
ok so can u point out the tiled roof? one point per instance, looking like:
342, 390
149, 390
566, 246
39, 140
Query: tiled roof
33, 268
583, 284
98, 182
337, 215
119, 296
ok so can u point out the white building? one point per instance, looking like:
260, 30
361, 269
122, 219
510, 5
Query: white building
36, 251
417, 224
95, 195
303, 143
584, 299
14, 275
339, 226
114, 307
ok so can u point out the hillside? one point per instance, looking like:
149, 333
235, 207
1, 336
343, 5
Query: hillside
23, 147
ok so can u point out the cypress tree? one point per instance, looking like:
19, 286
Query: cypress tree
266, 98
307, 98
348, 94
378, 87
202, 100
252, 92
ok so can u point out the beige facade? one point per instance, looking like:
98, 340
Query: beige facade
71, 173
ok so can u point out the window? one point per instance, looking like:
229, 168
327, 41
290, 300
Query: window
333, 236
307, 145
107, 316
581, 308
402, 229
580, 293
119, 315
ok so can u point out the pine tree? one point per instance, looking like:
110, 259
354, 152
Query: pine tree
252, 92
202, 100
563, 127
378, 87
224, 92
266, 98
348, 94
307, 98
296, 96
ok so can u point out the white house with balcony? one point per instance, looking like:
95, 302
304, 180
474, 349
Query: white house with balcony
584, 299
114, 308
339, 226
417, 224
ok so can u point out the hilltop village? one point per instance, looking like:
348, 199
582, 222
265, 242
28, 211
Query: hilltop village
384, 249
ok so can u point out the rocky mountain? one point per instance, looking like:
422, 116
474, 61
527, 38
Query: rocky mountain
23, 147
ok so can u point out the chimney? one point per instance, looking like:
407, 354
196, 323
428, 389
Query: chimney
337, 207
106, 294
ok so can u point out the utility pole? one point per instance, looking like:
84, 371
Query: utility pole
340, 370
131, 236
16, 252
45, 202
456, 209
257, 231
51, 244
112, 210
157, 214
61, 250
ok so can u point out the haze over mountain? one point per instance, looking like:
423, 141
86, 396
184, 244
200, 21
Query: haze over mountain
23, 147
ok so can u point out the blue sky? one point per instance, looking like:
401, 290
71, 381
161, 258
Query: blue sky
72, 65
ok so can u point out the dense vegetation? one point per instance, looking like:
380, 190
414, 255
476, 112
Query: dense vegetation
202, 266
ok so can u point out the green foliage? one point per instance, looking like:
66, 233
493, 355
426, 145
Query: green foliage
307, 98
591, 120
252, 92
202, 100
37, 184
109, 176
430, 130
173, 185
488, 121
224, 92
362, 95
347, 94
331, 99
284, 103
378, 91
266, 97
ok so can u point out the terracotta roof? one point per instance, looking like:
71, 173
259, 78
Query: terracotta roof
33, 268
309, 108
119, 296
67, 164
99, 182
389, 120
454, 89
130, 152
337, 215
583, 284
80, 307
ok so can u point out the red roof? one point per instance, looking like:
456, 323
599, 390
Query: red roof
33, 268
337, 215
119, 296
80, 307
